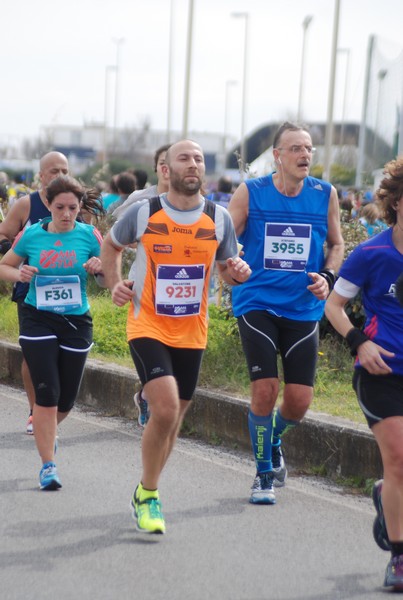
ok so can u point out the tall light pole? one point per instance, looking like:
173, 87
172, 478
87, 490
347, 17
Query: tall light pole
362, 138
381, 76
108, 69
188, 71
244, 157
118, 42
329, 123
228, 85
400, 139
170, 69
343, 116
305, 25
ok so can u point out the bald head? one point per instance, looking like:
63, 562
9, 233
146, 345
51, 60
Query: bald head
52, 157
185, 168
51, 166
183, 147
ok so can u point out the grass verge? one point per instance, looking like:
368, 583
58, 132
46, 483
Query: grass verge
223, 365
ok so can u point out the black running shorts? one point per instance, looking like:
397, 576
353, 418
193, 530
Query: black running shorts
263, 335
55, 348
379, 396
154, 359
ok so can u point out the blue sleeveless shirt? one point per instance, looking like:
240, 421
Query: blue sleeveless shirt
37, 210
283, 241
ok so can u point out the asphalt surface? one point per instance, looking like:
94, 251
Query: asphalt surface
80, 542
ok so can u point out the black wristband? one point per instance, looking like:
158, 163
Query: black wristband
236, 281
354, 338
330, 277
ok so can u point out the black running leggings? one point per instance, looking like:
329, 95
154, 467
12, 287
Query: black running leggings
56, 372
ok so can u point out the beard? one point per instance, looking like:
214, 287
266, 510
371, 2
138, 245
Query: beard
184, 186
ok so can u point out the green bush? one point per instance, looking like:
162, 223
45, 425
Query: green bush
224, 364
109, 327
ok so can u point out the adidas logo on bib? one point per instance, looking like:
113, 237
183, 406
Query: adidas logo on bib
182, 274
288, 231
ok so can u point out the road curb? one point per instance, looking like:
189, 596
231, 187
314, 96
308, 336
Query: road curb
328, 444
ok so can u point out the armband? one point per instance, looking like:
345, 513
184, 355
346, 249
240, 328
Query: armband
330, 277
236, 281
354, 338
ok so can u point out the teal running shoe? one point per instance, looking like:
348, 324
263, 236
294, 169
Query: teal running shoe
142, 407
48, 477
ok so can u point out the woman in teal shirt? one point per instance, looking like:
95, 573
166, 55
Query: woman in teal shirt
55, 257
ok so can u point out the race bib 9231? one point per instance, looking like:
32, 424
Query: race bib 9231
179, 290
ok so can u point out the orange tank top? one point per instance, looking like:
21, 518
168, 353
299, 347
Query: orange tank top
179, 261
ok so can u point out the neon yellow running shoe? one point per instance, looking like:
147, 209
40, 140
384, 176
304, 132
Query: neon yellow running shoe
146, 511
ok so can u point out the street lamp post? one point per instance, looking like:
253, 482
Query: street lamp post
244, 157
329, 122
118, 42
228, 85
305, 25
170, 69
346, 51
400, 139
108, 69
188, 71
381, 76
362, 138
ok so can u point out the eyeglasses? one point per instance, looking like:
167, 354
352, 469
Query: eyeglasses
299, 149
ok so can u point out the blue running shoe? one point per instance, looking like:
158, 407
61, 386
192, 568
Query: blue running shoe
48, 477
279, 468
394, 574
262, 491
142, 407
379, 528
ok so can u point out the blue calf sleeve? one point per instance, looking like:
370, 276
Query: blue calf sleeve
260, 431
281, 426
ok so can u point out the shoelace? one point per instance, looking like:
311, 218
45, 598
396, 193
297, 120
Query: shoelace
267, 480
47, 471
155, 508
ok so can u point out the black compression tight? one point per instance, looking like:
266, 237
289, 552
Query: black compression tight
56, 371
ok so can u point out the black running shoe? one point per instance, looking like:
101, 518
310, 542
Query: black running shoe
279, 468
262, 491
379, 527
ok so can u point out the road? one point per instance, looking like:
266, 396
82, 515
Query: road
80, 542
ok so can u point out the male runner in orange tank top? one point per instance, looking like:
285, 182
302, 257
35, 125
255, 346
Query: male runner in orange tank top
180, 235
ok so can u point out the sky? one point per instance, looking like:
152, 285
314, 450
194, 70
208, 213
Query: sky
56, 57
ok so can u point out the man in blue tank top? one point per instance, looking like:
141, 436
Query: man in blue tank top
26, 211
283, 221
